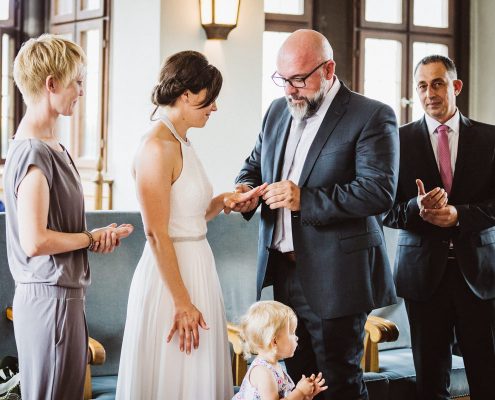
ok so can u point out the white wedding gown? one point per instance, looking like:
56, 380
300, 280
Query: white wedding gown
150, 368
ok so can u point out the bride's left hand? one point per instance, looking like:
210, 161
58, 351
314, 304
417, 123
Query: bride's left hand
232, 199
187, 320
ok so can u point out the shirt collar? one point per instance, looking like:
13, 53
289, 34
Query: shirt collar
452, 123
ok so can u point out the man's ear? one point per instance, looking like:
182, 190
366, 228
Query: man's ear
457, 86
329, 69
50, 84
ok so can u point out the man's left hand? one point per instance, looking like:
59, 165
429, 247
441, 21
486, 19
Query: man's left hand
444, 217
284, 194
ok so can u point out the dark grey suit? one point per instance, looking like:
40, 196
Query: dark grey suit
349, 178
448, 288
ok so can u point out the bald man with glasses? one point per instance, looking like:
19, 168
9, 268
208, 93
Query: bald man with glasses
330, 157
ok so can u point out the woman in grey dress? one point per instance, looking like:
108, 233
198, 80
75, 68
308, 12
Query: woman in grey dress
47, 240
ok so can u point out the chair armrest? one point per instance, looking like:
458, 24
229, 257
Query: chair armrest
97, 354
377, 330
239, 364
9, 313
381, 329
234, 335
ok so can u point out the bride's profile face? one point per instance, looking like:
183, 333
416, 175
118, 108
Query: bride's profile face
197, 117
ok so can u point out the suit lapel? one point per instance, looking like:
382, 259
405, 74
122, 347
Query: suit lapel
281, 142
335, 112
462, 148
431, 173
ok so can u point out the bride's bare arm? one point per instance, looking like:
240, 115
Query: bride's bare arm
216, 206
156, 165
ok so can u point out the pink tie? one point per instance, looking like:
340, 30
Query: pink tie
444, 157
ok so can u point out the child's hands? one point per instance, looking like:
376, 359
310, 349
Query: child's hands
318, 382
306, 386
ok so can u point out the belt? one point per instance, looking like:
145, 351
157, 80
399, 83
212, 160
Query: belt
451, 252
177, 239
288, 256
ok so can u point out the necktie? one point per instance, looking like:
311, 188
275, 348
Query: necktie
444, 160
283, 215
290, 150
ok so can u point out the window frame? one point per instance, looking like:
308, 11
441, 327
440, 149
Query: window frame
432, 30
363, 35
13, 28
275, 22
11, 21
91, 163
97, 187
62, 18
407, 33
90, 14
363, 23
76, 28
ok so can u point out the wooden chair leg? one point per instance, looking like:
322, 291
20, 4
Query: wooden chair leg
239, 369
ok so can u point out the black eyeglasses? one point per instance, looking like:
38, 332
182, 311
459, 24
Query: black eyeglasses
298, 82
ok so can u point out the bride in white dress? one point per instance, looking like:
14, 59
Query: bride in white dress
175, 341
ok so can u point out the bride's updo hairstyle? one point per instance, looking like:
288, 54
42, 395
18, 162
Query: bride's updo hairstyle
186, 70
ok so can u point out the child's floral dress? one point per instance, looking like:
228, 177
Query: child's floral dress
249, 392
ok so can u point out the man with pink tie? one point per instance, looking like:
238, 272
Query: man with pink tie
445, 208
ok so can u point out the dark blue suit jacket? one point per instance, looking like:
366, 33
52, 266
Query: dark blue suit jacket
423, 248
349, 178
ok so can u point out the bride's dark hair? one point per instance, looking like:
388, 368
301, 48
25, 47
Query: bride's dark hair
186, 70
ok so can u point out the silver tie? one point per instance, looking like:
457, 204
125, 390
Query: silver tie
290, 152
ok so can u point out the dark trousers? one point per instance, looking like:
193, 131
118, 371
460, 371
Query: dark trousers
333, 347
453, 309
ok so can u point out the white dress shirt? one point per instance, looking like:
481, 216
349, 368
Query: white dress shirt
282, 237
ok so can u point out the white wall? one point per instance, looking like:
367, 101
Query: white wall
482, 63
159, 29
134, 62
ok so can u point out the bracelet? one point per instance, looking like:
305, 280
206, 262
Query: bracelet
91, 240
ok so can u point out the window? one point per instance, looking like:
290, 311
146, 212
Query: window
392, 36
282, 17
10, 106
85, 134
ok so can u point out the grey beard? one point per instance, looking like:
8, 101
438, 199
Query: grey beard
309, 107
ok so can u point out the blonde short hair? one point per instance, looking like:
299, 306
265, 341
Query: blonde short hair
41, 57
263, 321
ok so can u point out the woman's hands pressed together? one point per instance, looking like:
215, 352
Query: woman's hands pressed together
106, 239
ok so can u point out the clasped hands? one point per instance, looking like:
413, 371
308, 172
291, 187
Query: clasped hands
108, 238
310, 386
283, 194
434, 207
